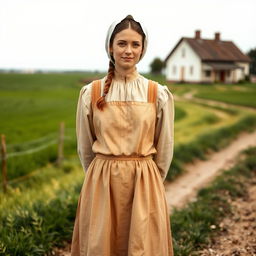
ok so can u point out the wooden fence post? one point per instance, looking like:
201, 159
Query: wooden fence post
4, 166
60, 144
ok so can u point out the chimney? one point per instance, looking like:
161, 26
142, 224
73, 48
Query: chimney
198, 34
217, 36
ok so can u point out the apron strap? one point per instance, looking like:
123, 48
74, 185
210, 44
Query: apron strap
96, 90
152, 91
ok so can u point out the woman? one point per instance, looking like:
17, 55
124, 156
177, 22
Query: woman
125, 144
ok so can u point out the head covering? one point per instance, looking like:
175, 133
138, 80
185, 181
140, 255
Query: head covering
110, 32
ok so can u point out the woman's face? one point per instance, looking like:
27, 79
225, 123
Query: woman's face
126, 48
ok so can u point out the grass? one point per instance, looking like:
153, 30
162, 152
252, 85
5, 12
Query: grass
199, 119
180, 113
41, 184
236, 97
39, 213
32, 106
35, 230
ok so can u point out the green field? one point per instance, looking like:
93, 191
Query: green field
33, 105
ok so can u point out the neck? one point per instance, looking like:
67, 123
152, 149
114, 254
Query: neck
126, 75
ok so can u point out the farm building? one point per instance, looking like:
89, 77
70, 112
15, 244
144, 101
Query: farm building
197, 60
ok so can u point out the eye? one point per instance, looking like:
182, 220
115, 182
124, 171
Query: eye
121, 43
136, 44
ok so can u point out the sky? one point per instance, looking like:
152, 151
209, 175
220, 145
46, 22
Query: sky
70, 34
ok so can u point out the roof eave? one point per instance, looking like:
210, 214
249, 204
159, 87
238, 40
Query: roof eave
175, 47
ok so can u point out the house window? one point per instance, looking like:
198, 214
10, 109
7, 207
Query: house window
183, 52
174, 70
191, 70
207, 73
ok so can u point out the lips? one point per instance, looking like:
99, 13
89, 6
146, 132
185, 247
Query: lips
125, 58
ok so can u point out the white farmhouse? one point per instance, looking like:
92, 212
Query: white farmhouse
197, 60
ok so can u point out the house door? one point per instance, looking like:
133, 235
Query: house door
182, 73
222, 76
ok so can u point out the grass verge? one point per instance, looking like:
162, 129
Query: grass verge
184, 153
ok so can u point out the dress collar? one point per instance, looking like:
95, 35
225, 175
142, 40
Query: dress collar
126, 78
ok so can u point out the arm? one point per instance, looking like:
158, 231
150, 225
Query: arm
84, 127
164, 131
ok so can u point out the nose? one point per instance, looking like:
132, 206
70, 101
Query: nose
128, 49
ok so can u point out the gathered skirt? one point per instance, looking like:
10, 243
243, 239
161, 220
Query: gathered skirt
122, 210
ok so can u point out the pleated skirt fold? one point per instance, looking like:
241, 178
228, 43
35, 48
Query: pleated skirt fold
122, 211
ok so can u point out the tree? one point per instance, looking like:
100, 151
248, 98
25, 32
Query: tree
156, 66
252, 55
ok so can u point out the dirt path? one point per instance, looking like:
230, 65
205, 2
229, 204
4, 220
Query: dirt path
200, 173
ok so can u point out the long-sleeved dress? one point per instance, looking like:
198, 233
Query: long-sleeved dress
126, 151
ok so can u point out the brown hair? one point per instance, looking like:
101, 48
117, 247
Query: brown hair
127, 22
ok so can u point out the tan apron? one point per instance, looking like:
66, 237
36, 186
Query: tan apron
122, 208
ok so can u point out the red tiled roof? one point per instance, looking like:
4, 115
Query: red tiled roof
214, 50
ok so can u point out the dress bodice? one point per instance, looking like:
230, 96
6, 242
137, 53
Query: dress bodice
125, 127
129, 124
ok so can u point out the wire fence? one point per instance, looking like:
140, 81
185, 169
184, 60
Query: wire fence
36, 149
31, 147
31, 143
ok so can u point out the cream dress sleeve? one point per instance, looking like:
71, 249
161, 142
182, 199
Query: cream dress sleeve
164, 133
84, 127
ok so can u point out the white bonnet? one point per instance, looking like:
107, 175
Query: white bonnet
109, 34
